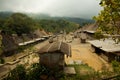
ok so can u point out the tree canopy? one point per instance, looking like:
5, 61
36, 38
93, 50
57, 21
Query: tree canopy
56, 26
109, 18
19, 23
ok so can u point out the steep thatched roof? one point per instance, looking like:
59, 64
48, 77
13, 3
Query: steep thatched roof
40, 33
56, 47
90, 27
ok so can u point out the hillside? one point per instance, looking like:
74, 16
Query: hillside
49, 24
40, 16
80, 21
5, 14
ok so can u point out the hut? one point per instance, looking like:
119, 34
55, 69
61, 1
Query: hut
52, 55
9, 45
107, 49
89, 30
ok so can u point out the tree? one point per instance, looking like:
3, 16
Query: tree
56, 26
109, 18
19, 24
18, 73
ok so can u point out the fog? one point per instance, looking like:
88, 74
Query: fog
68, 8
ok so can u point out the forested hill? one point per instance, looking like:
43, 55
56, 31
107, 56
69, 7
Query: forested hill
5, 14
48, 17
19, 23
80, 21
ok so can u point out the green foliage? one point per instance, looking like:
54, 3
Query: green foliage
109, 17
98, 35
1, 45
19, 73
2, 21
56, 26
19, 23
2, 61
37, 70
33, 73
116, 66
84, 72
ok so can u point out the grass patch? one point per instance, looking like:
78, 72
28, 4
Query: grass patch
83, 72
81, 67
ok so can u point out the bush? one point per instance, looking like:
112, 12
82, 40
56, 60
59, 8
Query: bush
2, 61
116, 66
19, 73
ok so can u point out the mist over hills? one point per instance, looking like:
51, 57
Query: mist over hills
40, 16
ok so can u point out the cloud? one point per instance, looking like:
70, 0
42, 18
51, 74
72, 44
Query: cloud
70, 8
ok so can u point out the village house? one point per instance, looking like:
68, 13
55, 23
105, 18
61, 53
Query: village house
8, 44
52, 55
106, 48
11, 42
89, 30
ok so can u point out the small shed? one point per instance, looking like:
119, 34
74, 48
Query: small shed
52, 55
89, 30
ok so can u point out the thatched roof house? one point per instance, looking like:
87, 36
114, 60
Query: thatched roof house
39, 33
8, 43
89, 30
106, 47
52, 55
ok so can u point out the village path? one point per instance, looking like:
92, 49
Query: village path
82, 52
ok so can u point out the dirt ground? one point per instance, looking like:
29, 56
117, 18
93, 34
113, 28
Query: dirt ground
82, 52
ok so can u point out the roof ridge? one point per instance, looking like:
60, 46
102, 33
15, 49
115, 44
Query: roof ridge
59, 45
49, 47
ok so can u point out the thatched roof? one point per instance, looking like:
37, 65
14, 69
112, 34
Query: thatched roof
40, 33
8, 43
56, 47
90, 28
107, 45
43, 33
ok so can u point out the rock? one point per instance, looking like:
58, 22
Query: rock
78, 62
70, 62
69, 70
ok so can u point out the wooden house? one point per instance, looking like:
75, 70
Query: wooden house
89, 30
52, 55
107, 49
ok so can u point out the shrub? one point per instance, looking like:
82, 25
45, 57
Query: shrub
19, 73
2, 61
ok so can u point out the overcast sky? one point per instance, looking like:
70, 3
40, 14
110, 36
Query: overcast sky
69, 8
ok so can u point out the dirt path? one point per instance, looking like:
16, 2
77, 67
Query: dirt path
82, 52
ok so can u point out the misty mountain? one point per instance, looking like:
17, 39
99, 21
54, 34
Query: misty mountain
80, 21
40, 16
5, 14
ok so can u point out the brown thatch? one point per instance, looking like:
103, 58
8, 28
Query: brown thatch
43, 33
38, 33
17, 39
56, 47
8, 43
90, 27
